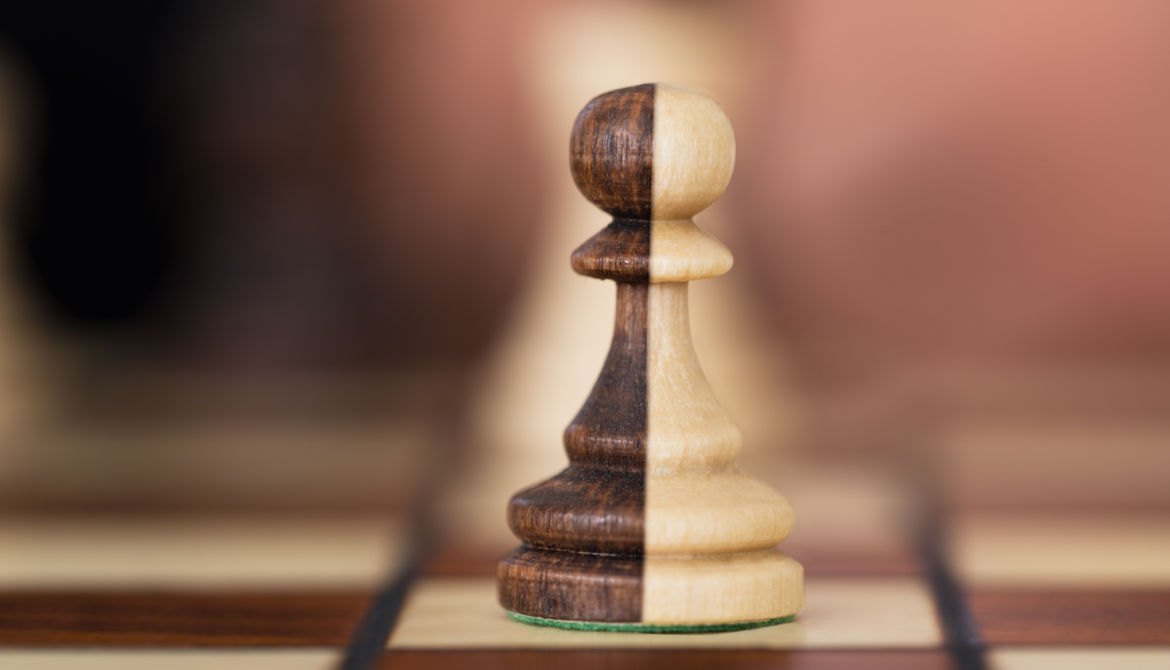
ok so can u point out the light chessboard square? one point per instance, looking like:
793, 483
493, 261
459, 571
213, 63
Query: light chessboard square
1081, 658
1055, 550
839, 613
173, 659
198, 552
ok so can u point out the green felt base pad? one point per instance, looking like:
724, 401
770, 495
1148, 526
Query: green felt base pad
647, 627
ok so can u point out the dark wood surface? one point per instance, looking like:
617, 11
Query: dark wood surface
611, 151
159, 619
583, 529
571, 585
593, 509
597, 504
621, 251
610, 428
1082, 616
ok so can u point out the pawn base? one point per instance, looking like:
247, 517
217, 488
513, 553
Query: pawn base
650, 594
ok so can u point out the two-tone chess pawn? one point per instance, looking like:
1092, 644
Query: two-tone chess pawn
652, 527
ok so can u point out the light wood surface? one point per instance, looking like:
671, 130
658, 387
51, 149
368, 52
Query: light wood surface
180, 659
841, 613
223, 553
710, 519
694, 153
687, 427
1081, 658
1073, 549
680, 251
698, 512
744, 586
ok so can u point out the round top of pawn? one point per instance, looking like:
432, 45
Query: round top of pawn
652, 152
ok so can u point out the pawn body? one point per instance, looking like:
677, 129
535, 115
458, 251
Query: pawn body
652, 527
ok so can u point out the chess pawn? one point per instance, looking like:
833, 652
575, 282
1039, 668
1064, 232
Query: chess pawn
652, 527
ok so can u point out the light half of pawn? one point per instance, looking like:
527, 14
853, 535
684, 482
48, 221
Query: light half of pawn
652, 527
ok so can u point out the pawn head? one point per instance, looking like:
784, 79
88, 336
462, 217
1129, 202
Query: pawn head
652, 152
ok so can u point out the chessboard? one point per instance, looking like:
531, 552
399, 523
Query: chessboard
183, 523
887, 587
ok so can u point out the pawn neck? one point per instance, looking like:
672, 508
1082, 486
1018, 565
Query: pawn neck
633, 250
652, 408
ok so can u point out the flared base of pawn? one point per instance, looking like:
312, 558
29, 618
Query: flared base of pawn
646, 627
651, 594
724, 589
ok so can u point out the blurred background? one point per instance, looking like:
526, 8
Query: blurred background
284, 256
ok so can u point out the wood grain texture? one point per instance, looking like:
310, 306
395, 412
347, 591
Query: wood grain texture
697, 501
652, 452
682, 252
583, 509
170, 658
711, 530
611, 151
667, 659
843, 613
573, 586
721, 588
610, 428
694, 153
620, 252
124, 619
701, 513
1089, 616
688, 429
595, 505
